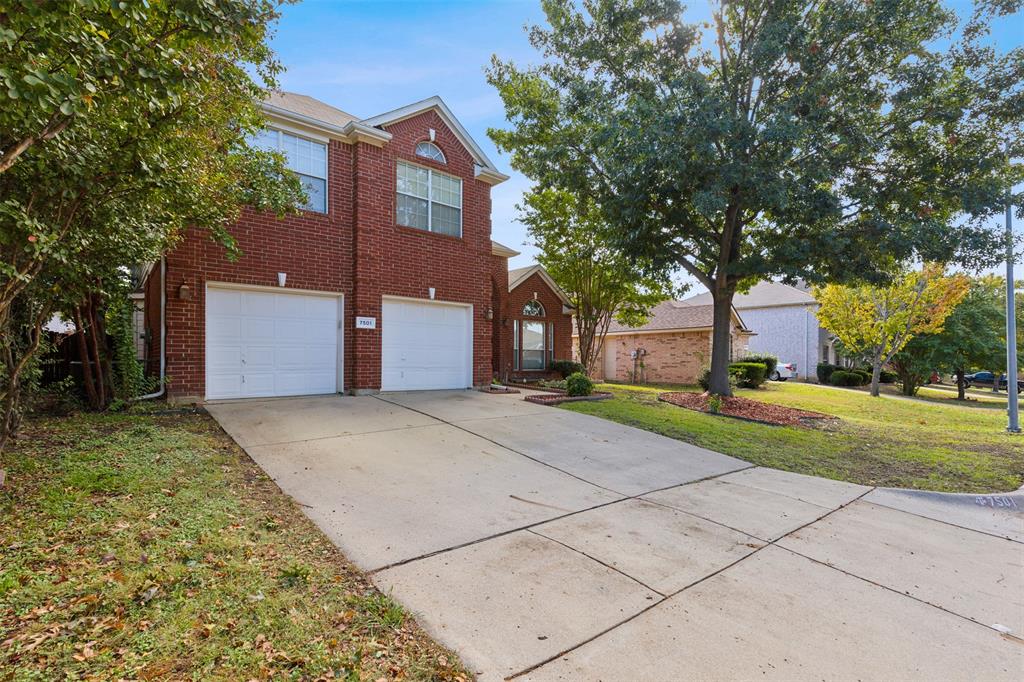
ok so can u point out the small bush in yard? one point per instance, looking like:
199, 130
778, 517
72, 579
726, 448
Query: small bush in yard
578, 384
749, 374
770, 362
841, 377
825, 371
886, 377
715, 404
735, 374
567, 367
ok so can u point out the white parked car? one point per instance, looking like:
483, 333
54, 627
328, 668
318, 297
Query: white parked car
783, 371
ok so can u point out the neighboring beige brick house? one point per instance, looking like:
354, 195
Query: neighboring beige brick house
672, 347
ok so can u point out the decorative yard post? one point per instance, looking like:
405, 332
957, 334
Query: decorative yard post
1011, 331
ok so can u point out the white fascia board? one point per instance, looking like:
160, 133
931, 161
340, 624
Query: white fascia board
502, 250
351, 132
487, 172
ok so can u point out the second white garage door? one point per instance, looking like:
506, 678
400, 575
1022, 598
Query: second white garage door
425, 346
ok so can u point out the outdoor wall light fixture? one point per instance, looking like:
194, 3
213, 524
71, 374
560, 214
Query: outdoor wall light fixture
185, 292
432, 292
281, 277
490, 313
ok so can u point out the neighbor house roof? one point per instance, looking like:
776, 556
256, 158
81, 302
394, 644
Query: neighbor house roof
762, 295
312, 112
519, 275
675, 316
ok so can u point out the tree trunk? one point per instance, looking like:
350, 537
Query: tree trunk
83, 356
720, 337
876, 375
961, 392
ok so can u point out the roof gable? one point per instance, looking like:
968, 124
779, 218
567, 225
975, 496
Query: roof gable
520, 275
486, 170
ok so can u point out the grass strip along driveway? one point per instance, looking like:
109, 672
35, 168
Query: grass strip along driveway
152, 547
878, 441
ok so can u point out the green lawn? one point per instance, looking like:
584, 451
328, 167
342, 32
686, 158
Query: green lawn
152, 547
878, 441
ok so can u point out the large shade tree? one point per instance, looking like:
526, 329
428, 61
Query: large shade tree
828, 141
602, 284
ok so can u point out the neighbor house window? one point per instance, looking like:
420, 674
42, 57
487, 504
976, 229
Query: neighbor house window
428, 200
306, 158
429, 150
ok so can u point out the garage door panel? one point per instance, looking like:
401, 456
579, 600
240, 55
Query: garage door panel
224, 385
424, 346
224, 330
259, 358
263, 344
222, 359
224, 303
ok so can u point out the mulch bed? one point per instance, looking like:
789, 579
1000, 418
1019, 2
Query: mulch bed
559, 398
750, 410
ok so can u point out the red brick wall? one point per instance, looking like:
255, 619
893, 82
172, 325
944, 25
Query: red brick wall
513, 310
355, 249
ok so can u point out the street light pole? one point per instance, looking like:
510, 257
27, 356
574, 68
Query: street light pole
1013, 425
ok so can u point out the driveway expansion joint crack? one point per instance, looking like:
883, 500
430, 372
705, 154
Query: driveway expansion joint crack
636, 615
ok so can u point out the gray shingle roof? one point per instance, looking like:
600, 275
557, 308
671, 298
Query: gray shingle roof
762, 295
308, 106
672, 315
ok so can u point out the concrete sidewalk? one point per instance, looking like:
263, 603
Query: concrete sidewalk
545, 544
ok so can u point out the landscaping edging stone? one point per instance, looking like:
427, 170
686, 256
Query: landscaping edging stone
558, 399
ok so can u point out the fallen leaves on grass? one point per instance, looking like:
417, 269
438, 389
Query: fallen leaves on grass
744, 408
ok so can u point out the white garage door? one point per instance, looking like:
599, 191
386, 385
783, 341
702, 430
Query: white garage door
425, 346
261, 344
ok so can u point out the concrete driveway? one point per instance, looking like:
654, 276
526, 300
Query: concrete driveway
546, 545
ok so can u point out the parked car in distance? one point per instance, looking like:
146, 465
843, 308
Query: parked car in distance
783, 371
988, 379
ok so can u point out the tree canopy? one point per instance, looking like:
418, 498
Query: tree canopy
878, 321
792, 139
601, 283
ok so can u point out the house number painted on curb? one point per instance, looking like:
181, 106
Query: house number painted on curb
366, 323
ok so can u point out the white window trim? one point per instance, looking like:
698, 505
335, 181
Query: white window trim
327, 163
430, 198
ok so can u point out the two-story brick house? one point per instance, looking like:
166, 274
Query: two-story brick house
386, 280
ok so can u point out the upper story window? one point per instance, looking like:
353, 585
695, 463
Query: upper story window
429, 150
307, 158
533, 309
429, 200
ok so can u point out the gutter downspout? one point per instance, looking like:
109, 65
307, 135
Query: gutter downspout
163, 332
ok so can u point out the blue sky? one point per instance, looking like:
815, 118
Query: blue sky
368, 57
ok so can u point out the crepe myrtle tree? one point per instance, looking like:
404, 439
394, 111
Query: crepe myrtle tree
122, 182
826, 141
601, 282
63, 57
